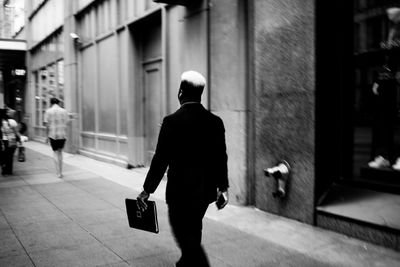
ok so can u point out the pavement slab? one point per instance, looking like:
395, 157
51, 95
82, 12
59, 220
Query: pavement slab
142, 245
93, 254
9, 244
22, 260
117, 264
38, 227
98, 216
3, 223
80, 220
162, 260
10, 181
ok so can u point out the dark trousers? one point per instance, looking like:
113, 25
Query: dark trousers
8, 158
384, 125
186, 221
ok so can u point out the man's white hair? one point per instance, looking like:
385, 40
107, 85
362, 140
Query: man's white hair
194, 78
393, 14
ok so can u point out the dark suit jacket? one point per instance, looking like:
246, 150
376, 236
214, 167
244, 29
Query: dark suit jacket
192, 144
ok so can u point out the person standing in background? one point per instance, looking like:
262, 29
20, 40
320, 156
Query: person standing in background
10, 137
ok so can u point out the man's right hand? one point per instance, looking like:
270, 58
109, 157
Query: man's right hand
222, 199
141, 200
375, 87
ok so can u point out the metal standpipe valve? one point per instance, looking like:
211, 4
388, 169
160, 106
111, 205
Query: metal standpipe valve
281, 174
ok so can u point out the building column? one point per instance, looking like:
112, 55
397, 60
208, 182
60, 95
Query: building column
71, 77
1, 90
284, 103
227, 83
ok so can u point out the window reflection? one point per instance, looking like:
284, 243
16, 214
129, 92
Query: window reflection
376, 96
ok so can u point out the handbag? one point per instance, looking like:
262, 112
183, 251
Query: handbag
142, 220
21, 154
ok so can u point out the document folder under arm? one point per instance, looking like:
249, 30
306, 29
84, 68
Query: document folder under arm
142, 220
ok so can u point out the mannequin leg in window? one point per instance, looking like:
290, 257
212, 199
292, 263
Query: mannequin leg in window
384, 125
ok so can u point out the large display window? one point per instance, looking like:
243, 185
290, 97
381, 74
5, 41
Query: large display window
48, 83
47, 77
376, 96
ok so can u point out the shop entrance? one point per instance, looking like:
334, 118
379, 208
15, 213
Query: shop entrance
376, 116
149, 90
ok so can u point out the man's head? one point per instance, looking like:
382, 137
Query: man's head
54, 100
192, 86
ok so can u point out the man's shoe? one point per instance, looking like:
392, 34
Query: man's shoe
379, 162
396, 166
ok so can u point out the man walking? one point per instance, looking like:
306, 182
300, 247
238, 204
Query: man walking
56, 119
192, 144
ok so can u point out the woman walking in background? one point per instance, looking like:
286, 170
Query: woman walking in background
9, 137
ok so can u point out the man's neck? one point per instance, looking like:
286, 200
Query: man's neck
189, 102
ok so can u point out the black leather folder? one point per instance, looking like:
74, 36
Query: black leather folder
146, 220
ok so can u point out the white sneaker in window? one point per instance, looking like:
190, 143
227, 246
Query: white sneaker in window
379, 162
396, 166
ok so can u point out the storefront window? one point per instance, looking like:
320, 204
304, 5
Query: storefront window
60, 78
376, 151
44, 92
47, 77
60, 43
48, 82
37, 97
52, 85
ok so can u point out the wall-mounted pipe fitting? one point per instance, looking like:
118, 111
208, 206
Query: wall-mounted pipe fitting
281, 174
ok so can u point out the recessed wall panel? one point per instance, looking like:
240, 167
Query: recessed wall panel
107, 146
88, 89
124, 73
88, 142
123, 148
108, 85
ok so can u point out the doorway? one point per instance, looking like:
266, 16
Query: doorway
153, 106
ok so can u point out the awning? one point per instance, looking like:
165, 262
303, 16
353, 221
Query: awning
12, 54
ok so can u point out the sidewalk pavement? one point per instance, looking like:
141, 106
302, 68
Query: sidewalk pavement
80, 220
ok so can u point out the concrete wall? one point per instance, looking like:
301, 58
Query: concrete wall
217, 50
284, 80
109, 77
47, 19
187, 48
70, 77
228, 87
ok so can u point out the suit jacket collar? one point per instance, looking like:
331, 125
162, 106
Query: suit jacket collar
191, 105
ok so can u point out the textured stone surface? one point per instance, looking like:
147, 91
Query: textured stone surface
284, 103
361, 231
77, 255
227, 55
3, 224
16, 261
187, 48
9, 244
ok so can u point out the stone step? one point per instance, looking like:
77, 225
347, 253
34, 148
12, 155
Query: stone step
361, 213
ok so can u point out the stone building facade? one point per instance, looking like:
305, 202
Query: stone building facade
276, 74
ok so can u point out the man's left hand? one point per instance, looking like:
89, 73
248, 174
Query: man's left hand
141, 200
